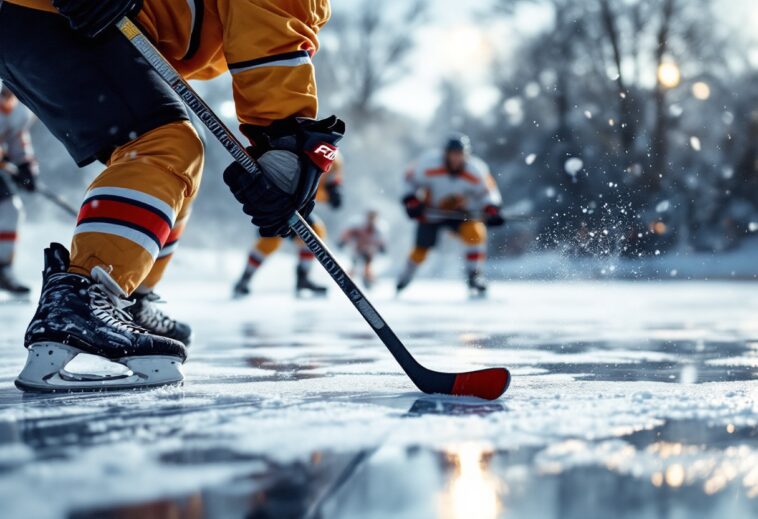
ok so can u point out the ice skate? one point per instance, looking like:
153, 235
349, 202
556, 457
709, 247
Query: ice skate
306, 286
476, 285
77, 314
9, 283
147, 314
241, 289
402, 284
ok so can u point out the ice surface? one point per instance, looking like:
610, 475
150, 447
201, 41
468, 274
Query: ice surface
628, 400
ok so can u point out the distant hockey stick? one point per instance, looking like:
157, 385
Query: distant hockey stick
464, 216
58, 200
488, 383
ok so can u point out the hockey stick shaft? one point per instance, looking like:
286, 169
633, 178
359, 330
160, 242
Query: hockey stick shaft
298, 224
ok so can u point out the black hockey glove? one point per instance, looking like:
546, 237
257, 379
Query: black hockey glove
91, 17
292, 154
414, 207
26, 177
493, 216
334, 194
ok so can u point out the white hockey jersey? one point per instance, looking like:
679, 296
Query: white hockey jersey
471, 190
15, 142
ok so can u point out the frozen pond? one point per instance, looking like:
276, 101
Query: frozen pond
628, 400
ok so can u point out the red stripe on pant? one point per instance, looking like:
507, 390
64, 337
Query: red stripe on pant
126, 212
8, 236
475, 256
306, 255
255, 262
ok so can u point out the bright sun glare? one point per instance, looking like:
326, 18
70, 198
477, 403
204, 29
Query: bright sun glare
473, 491
463, 49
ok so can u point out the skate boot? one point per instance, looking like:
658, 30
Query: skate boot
242, 287
304, 284
403, 283
148, 315
77, 314
10, 284
476, 285
406, 277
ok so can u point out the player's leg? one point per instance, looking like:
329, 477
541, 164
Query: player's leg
10, 216
145, 310
474, 236
305, 259
262, 249
102, 101
368, 272
426, 239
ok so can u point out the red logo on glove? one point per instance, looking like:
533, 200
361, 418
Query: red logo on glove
323, 155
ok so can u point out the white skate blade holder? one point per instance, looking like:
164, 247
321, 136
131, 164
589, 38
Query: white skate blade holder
46, 362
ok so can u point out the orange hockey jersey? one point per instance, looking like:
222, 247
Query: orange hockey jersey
267, 46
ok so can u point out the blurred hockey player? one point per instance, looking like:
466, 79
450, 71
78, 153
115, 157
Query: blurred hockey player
330, 192
18, 168
68, 62
454, 190
366, 240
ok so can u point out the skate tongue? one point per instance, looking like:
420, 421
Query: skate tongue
56, 260
101, 276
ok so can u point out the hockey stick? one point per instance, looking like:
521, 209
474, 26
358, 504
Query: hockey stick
488, 383
56, 199
465, 216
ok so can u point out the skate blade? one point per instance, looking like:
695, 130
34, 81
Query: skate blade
46, 362
305, 293
15, 299
476, 295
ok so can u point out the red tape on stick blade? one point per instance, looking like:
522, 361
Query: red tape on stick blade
488, 384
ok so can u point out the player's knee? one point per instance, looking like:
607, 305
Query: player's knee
419, 254
473, 233
267, 245
190, 154
175, 148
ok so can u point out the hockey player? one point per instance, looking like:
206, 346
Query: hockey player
454, 190
17, 168
366, 239
329, 191
67, 62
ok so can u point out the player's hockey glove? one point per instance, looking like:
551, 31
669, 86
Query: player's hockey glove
292, 154
334, 194
493, 216
26, 176
91, 17
414, 207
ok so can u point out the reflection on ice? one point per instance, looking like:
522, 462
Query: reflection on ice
473, 491
624, 398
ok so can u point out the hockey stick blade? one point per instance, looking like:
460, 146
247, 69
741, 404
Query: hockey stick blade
488, 383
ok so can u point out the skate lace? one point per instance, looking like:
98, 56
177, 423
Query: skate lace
152, 317
108, 302
111, 309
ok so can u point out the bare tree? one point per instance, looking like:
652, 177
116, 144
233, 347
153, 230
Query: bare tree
368, 51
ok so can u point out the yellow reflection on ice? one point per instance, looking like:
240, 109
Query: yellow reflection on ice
669, 75
675, 475
473, 491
